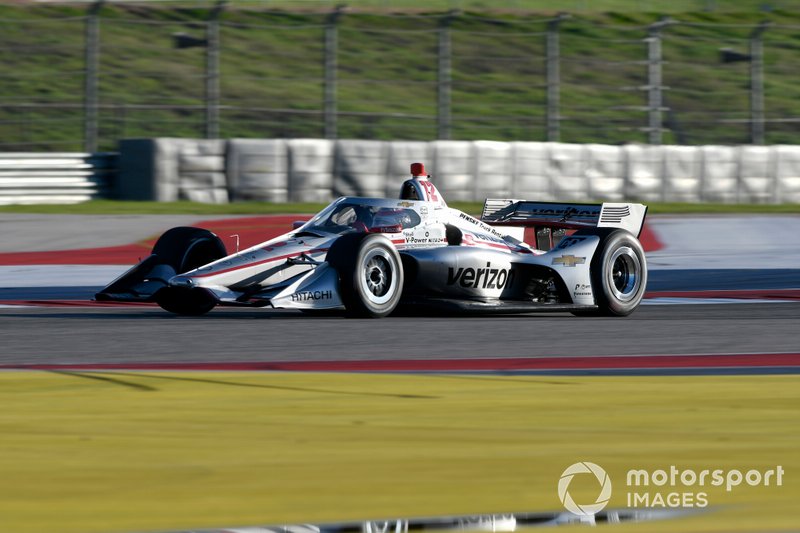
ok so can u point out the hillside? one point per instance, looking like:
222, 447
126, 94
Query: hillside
271, 73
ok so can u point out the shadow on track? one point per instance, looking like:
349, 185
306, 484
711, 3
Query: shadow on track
107, 376
106, 379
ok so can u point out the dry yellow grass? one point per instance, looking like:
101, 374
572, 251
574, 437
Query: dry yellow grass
142, 451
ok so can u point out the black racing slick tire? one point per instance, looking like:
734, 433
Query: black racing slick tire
370, 274
618, 272
187, 302
184, 249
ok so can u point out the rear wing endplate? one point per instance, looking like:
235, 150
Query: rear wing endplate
507, 212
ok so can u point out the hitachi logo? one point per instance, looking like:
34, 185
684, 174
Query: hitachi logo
481, 278
311, 295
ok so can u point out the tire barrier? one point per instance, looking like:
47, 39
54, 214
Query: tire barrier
318, 170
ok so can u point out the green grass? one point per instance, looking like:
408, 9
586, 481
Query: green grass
271, 71
516, 6
110, 207
160, 451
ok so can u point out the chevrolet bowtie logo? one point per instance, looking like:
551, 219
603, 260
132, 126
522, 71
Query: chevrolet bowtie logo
569, 260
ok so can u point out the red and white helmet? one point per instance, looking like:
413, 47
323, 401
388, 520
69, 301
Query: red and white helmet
420, 187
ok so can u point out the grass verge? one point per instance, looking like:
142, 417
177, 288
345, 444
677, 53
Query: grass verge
139, 451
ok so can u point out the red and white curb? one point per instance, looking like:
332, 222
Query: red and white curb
504, 364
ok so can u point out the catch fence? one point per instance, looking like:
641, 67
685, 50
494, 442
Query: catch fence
82, 78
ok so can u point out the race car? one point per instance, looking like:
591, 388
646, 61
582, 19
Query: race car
367, 256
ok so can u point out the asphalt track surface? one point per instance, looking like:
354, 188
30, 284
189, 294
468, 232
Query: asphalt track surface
149, 335
687, 261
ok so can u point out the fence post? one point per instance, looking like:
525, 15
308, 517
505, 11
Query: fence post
330, 65
212, 94
444, 74
90, 92
553, 60
654, 87
757, 84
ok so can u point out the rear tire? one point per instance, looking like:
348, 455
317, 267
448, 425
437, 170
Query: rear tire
618, 272
184, 249
370, 274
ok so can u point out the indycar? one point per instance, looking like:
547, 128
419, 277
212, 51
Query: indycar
367, 256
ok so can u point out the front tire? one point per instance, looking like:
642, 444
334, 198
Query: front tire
370, 274
186, 302
184, 249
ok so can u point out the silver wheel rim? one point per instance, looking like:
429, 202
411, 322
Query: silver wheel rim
392, 526
624, 276
377, 278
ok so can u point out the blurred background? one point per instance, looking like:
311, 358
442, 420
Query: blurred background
82, 75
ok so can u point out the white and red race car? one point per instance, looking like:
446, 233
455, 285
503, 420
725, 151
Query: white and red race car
365, 256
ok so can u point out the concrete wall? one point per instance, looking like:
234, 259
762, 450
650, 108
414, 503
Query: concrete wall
318, 170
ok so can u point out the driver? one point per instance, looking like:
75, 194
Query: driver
392, 217
357, 217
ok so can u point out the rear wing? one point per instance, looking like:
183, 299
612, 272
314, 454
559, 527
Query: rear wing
625, 216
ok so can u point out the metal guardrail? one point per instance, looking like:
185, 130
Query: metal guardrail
55, 178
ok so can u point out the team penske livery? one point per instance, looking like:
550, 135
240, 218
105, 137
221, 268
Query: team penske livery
366, 256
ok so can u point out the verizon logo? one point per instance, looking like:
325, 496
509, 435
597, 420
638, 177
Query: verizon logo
480, 278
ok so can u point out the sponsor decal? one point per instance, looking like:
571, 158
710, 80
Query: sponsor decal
405, 204
423, 211
582, 289
481, 278
411, 238
571, 212
397, 228
485, 227
566, 242
489, 238
304, 296
568, 260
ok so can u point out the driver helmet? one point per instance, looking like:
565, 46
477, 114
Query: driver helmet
391, 217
